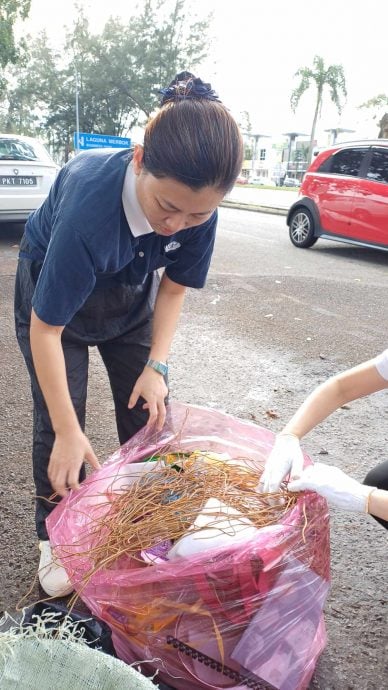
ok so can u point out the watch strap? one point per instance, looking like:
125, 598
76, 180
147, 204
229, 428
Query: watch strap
160, 367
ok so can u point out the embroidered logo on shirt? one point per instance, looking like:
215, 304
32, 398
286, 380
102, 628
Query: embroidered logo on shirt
172, 246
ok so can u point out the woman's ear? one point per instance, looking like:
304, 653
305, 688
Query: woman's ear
137, 159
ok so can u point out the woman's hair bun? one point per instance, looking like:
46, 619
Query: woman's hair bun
186, 85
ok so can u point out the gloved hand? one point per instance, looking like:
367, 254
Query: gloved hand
334, 485
285, 458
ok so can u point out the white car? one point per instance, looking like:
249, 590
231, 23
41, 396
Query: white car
262, 181
291, 182
27, 172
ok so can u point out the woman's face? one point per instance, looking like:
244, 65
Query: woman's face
171, 206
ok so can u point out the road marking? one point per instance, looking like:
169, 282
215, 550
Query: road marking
320, 310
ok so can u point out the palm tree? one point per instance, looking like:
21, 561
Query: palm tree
332, 76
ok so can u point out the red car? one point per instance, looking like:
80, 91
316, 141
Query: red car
242, 180
344, 197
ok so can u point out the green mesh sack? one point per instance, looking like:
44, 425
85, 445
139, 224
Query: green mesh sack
35, 659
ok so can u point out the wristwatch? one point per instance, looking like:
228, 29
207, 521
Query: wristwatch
160, 367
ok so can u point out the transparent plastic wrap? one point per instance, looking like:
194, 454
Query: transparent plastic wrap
243, 611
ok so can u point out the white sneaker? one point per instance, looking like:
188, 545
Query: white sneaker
52, 576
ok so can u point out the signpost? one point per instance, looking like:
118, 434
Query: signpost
83, 141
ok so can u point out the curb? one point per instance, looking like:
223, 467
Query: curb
275, 210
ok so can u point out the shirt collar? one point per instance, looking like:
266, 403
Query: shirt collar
136, 219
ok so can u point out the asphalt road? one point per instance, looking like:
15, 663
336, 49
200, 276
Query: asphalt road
272, 322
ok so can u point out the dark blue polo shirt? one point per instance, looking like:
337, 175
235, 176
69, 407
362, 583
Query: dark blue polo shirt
81, 235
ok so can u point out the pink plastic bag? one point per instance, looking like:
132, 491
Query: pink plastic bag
225, 618
277, 642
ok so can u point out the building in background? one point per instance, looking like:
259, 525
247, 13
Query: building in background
275, 157
278, 156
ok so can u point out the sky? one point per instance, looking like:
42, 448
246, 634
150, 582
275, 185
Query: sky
257, 46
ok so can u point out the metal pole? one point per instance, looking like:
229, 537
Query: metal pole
289, 156
76, 113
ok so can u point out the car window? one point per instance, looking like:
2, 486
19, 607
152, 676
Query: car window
17, 150
378, 168
345, 162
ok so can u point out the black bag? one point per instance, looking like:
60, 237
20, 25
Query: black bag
97, 633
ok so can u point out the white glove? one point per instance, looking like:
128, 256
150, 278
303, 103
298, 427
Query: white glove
334, 485
286, 457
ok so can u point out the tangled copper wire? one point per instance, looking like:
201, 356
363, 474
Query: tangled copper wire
164, 502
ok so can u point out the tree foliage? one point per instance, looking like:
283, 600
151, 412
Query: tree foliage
244, 122
379, 101
332, 77
10, 52
10, 11
117, 73
379, 107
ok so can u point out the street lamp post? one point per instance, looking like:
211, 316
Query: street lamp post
76, 114
335, 131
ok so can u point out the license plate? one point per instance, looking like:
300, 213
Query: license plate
17, 181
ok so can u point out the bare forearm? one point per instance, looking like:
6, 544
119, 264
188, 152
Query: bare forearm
378, 504
343, 388
166, 315
317, 406
50, 369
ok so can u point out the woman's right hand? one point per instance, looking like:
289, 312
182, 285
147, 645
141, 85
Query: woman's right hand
69, 452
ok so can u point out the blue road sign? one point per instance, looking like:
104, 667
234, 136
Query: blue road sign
98, 141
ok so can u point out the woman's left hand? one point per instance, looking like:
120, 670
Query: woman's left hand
334, 485
152, 387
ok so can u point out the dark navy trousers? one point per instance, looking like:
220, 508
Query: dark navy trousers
117, 319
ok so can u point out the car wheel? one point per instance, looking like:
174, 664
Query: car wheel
302, 228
